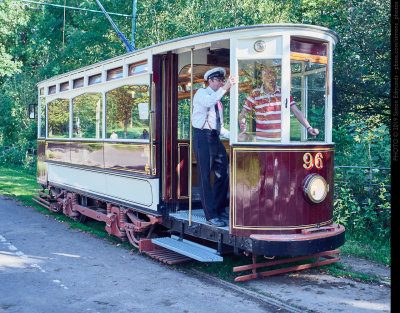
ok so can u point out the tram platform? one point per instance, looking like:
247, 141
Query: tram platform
198, 217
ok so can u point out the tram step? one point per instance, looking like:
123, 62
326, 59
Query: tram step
189, 248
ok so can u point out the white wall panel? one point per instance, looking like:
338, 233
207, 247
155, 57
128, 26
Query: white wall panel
132, 190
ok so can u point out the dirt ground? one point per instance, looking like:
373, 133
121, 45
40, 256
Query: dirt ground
315, 291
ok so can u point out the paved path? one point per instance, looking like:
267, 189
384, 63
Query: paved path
47, 267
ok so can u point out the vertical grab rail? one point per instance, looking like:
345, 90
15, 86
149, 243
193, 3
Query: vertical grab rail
190, 137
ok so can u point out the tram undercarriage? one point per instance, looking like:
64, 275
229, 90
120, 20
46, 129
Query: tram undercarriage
144, 230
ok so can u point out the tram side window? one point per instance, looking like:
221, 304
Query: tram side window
260, 100
87, 116
58, 118
128, 112
308, 84
42, 117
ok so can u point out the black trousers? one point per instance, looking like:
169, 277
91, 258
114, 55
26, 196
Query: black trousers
211, 155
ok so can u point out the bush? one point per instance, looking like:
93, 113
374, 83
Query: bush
368, 220
20, 155
362, 201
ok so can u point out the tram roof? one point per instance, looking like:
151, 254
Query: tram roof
183, 40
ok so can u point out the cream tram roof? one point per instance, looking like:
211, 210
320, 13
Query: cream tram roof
214, 40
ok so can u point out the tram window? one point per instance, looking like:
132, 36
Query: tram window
308, 89
259, 100
184, 88
52, 89
115, 73
58, 123
87, 116
309, 47
184, 108
42, 91
78, 83
124, 119
42, 117
64, 86
138, 68
94, 79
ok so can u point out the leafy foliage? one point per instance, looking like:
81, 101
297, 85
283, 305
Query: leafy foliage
362, 195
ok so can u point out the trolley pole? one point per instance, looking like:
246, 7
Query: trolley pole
128, 46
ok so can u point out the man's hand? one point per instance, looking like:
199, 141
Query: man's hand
313, 131
232, 80
242, 120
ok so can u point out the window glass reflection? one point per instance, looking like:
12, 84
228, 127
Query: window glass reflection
42, 117
260, 100
87, 116
58, 124
184, 87
308, 83
128, 112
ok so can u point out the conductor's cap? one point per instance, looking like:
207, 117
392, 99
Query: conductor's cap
215, 72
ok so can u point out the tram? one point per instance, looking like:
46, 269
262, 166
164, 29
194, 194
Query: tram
114, 144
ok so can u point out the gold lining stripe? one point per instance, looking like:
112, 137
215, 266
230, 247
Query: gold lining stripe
283, 228
251, 149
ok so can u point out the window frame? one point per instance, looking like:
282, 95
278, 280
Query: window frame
101, 116
237, 55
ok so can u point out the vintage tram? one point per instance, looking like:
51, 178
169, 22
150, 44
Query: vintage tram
114, 145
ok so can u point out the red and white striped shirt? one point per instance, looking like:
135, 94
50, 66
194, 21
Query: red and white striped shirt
267, 108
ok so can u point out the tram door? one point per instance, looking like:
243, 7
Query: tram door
175, 85
174, 82
204, 59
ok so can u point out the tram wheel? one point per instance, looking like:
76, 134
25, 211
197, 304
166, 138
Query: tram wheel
80, 218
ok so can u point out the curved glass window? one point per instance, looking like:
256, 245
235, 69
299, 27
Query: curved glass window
58, 123
260, 100
309, 91
128, 112
87, 112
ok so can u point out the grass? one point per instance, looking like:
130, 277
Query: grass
21, 186
367, 249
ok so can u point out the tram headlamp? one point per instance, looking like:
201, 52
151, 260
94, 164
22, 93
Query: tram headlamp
316, 188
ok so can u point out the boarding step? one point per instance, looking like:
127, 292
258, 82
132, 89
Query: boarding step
189, 248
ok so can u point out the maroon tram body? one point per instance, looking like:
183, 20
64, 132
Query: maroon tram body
281, 193
268, 195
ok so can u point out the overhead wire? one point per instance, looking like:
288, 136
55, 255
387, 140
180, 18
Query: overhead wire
72, 8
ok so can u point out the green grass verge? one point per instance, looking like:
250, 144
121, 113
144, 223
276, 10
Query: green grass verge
21, 186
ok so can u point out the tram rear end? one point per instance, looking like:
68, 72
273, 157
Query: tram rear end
282, 199
282, 162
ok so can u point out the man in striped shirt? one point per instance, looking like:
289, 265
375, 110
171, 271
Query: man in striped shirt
266, 103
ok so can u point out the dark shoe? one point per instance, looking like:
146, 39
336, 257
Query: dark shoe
217, 222
224, 215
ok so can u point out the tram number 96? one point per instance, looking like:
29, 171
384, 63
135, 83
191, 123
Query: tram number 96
310, 161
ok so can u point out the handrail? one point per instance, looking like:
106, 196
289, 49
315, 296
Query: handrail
190, 137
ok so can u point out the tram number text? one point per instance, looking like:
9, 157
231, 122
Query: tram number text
310, 161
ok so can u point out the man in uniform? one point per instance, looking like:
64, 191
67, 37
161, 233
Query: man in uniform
210, 153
